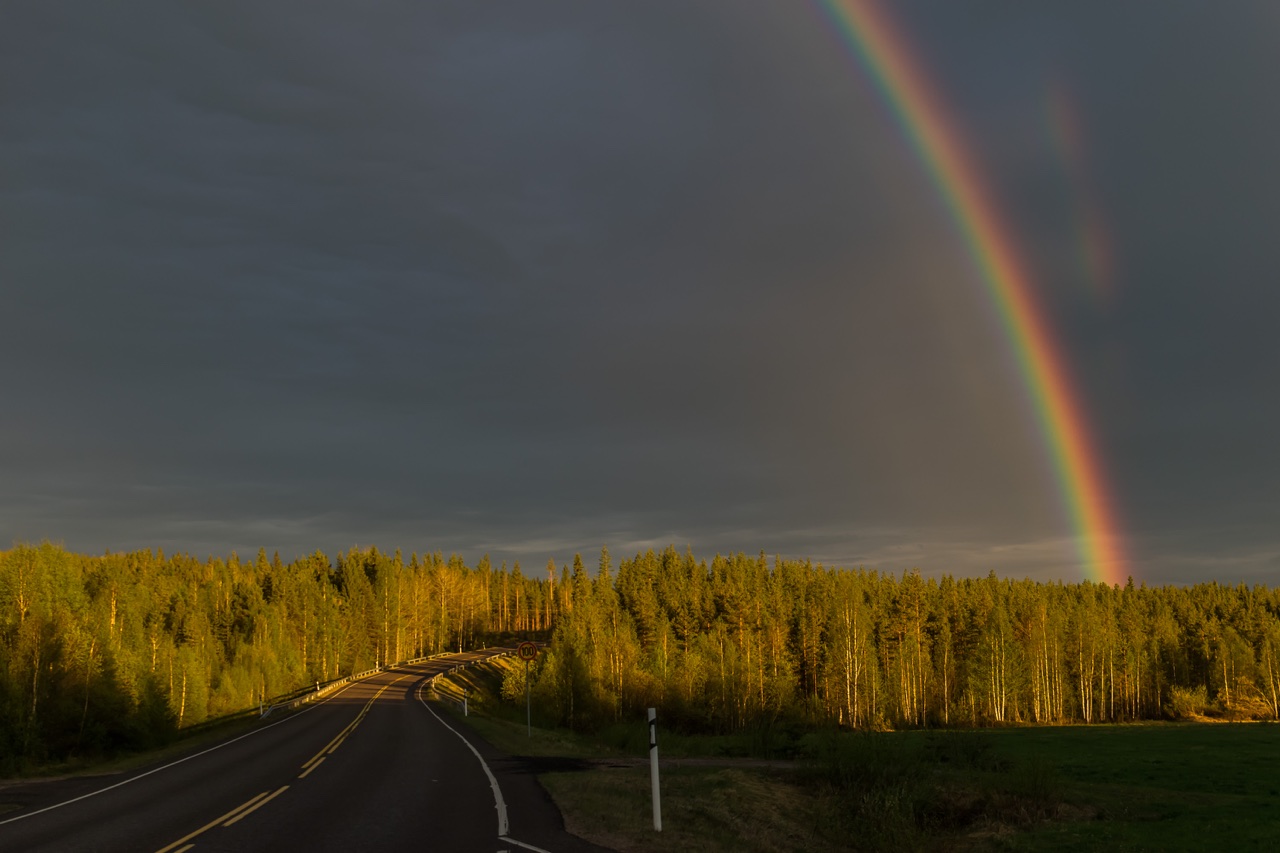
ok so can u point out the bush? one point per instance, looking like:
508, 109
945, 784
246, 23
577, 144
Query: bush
877, 783
1185, 703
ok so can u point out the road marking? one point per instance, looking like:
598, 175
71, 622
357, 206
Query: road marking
304, 773
493, 780
211, 824
256, 806
522, 844
319, 756
332, 746
242, 811
184, 849
171, 848
179, 761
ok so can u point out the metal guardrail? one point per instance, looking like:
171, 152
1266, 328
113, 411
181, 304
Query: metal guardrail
321, 690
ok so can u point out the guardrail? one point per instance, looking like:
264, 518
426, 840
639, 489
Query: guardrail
296, 700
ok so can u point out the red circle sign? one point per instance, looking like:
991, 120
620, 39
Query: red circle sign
527, 651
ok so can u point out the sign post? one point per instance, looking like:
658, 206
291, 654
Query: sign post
653, 769
527, 651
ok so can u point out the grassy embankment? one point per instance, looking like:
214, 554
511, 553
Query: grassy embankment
99, 764
185, 743
1133, 787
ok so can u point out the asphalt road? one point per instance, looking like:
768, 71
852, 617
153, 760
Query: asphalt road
370, 767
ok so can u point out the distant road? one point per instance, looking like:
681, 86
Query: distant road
369, 767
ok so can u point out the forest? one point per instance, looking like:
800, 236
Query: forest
111, 653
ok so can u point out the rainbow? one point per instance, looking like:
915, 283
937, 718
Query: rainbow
885, 55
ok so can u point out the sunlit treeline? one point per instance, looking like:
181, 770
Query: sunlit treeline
102, 653
745, 640
112, 652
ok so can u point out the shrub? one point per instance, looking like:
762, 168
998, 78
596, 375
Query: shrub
1185, 703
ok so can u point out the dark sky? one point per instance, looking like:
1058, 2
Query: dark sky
529, 278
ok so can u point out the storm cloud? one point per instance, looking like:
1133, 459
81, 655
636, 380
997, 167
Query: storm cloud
529, 278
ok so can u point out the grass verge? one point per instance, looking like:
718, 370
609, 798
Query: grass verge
93, 765
704, 808
1165, 786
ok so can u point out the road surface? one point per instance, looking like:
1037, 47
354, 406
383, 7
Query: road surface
372, 766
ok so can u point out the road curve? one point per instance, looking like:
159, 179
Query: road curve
369, 767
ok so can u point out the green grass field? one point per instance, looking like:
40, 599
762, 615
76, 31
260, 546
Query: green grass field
1157, 787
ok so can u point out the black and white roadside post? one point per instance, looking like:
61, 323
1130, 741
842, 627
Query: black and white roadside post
527, 651
653, 769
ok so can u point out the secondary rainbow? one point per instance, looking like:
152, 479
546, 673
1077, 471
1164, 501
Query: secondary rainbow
1063, 125
885, 54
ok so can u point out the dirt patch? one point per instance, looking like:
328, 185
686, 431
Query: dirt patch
563, 764
538, 764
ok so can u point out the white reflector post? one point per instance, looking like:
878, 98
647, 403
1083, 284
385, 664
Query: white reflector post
653, 769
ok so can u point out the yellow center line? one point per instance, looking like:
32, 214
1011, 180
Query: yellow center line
338, 738
304, 773
351, 725
249, 804
256, 806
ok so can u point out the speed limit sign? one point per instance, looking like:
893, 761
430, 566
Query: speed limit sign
527, 652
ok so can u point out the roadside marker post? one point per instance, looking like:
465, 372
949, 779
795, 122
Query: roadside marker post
653, 769
527, 651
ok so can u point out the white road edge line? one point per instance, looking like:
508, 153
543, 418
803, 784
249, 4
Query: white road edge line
179, 761
522, 844
493, 780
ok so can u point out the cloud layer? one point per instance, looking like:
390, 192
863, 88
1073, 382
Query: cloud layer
528, 280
